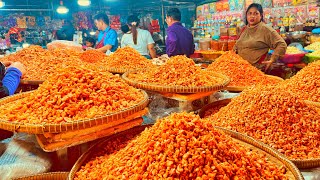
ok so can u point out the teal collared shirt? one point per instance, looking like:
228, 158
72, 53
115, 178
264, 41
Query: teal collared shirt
111, 38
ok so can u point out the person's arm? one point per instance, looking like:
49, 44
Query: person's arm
105, 48
109, 41
10, 81
171, 44
152, 51
150, 46
277, 43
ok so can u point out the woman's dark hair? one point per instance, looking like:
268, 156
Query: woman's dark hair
133, 22
102, 17
91, 40
125, 28
174, 13
259, 8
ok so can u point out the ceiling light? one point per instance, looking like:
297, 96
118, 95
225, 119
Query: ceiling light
62, 9
84, 2
2, 4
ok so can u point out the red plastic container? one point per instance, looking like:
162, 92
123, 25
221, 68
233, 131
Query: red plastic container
293, 58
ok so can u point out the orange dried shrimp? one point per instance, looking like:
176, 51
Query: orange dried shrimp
129, 59
113, 145
73, 94
275, 117
182, 146
240, 71
92, 56
306, 83
178, 71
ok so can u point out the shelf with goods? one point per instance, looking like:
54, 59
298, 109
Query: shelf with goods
214, 18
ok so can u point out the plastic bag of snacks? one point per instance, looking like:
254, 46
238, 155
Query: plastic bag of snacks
21, 156
62, 44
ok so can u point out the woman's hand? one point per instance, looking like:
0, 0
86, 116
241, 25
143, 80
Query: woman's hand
19, 66
7, 63
268, 64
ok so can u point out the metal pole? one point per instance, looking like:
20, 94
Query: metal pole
163, 23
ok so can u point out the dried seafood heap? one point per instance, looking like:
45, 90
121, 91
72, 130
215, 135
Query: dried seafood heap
240, 71
276, 117
182, 146
178, 71
128, 58
306, 83
72, 94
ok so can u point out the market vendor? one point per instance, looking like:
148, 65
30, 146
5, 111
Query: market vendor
179, 39
10, 77
107, 38
139, 39
256, 38
66, 32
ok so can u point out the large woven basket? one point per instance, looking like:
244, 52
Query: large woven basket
119, 70
177, 89
66, 126
31, 82
46, 176
273, 154
87, 156
292, 171
301, 164
241, 88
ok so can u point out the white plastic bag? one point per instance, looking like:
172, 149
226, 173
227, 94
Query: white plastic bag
21, 156
63, 44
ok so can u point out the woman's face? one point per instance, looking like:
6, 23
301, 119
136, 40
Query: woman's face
253, 16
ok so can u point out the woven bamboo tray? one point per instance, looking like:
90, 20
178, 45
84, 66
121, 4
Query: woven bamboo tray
176, 89
67, 126
54, 142
31, 82
119, 70
241, 88
301, 164
292, 171
273, 155
46, 176
207, 107
87, 156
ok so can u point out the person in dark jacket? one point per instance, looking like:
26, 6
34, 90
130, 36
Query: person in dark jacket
66, 32
10, 74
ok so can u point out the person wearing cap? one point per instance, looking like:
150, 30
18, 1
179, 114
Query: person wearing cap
139, 39
179, 39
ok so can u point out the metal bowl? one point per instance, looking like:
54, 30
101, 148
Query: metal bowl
296, 35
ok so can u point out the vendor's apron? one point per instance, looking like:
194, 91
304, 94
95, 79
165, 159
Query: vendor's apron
101, 43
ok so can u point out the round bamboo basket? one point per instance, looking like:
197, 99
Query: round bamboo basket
46, 176
87, 156
292, 172
31, 82
241, 88
301, 164
119, 70
177, 89
275, 156
207, 107
67, 126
